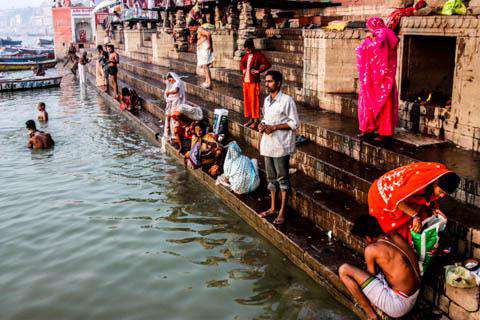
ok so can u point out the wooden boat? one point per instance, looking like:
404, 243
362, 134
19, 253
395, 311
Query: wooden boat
29, 83
20, 57
9, 42
16, 66
45, 42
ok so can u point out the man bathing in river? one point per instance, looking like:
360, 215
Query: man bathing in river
38, 139
43, 114
395, 289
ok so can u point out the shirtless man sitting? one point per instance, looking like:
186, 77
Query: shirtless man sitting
394, 290
38, 139
43, 114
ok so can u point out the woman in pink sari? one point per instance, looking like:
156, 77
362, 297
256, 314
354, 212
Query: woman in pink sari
377, 66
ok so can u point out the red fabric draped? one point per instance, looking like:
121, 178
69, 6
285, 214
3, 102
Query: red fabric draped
407, 184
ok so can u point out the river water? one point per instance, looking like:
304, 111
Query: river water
106, 227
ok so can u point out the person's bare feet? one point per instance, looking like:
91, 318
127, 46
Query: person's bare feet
248, 123
268, 213
280, 220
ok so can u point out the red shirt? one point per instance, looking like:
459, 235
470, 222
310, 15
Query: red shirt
259, 62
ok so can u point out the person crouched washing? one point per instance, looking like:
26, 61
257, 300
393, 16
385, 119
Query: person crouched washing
395, 289
129, 100
205, 151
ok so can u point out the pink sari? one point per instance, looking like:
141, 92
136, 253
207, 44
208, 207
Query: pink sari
377, 66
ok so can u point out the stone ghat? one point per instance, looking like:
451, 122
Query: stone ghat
324, 192
311, 250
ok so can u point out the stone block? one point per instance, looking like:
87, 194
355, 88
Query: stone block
444, 303
467, 299
458, 313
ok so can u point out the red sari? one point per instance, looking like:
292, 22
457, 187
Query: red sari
404, 184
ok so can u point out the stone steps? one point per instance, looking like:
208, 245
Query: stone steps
324, 177
339, 134
289, 46
285, 34
284, 58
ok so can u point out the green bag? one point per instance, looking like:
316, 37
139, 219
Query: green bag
425, 243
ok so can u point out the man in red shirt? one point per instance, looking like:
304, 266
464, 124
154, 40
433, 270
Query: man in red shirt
252, 65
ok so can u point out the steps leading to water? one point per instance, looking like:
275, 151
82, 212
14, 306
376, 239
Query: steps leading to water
338, 133
299, 240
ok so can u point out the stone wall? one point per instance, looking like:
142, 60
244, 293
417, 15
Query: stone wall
162, 45
462, 120
224, 47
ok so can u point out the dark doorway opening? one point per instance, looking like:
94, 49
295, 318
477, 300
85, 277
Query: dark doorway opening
428, 69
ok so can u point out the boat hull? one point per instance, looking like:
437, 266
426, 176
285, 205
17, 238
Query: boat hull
29, 84
18, 66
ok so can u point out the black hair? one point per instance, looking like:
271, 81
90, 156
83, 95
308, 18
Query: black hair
42, 104
276, 75
366, 225
449, 182
100, 48
249, 44
111, 46
125, 91
30, 124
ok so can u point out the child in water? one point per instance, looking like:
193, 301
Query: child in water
43, 115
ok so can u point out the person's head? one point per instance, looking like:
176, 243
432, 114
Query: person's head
100, 48
367, 228
375, 23
170, 78
249, 46
198, 129
41, 106
125, 92
31, 126
273, 81
84, 54
317, 20
110, 48
446, 184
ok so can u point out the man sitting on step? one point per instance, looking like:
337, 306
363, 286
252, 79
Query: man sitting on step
394, 290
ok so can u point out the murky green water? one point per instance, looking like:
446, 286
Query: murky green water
106, 227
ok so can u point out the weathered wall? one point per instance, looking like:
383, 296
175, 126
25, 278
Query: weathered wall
62, 26
462, 120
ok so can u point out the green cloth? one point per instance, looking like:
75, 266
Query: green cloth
454, 7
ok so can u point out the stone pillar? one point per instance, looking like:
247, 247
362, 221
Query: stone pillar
267, 21
246, 28
166, 20
181, 39
218, 17
474, 5
232, 16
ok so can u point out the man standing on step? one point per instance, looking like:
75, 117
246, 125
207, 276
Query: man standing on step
113, 61
280, 120
252, 65
394, 290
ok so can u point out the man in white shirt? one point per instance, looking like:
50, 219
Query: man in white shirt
280, 120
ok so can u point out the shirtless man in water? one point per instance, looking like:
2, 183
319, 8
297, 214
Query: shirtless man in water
113, 61
394, 290
38, 139
43, 114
